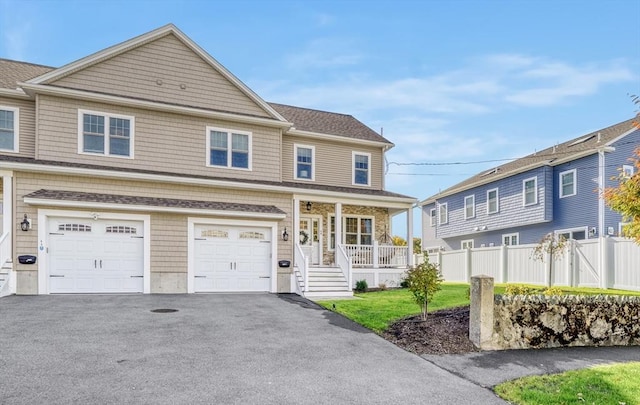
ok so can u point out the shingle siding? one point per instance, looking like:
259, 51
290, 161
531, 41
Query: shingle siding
156, 71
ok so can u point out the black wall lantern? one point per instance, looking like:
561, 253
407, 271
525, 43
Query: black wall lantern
308, 205
25, 225
285, 235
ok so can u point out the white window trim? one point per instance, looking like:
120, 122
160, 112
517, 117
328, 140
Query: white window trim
344, 221
497, 201
510, 235
295, 161
107, 152
229, 148
524, 191
627, 170
467, 242
433, 217
446, 213
16, 128
575, 183
353, 168
473, 206
584, 229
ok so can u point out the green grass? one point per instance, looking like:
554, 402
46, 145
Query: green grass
611, 384
378, 310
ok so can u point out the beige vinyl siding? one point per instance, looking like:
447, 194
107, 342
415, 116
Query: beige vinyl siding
137, 72
333, 161
163, 142
27, 130
168, 230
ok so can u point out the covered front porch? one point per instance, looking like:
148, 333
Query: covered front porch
329, 265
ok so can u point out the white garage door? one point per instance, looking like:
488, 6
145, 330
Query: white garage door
87, 256
229, 258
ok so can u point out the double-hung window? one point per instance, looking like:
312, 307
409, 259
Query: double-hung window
226, 148
358, 231
568, 183
9, 123
361, 169
530, 191
432, 217
469, 206
304, 156
627, 171
493, 204
443, 214
105, 134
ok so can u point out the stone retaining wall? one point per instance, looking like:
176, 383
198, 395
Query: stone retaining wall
538, 321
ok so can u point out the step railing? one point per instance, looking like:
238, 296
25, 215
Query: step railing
302, 262
7, 286
343, 260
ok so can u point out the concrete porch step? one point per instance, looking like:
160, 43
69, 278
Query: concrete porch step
328, 294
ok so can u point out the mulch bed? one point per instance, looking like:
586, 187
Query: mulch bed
444, 332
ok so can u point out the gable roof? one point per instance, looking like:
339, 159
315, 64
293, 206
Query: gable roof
570, 150
323, 122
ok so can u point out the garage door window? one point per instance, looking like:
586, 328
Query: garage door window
74, 227
214, 233
121, 229
251, 235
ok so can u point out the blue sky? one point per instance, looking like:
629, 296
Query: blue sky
449, 81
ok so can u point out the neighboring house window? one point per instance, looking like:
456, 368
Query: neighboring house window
466, 244
573, 233
356, 231
492, 201
304, 162
361, 172
443, 214
568, 183
627, 170
9, 124
228, 148
469, 206
105, 134
511, 239
530, 191
432, 217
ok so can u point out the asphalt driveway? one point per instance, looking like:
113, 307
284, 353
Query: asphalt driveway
216, 349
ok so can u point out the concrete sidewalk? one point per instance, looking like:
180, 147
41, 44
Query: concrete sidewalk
488, 369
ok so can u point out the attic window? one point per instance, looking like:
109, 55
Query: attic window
581, 140
492, 171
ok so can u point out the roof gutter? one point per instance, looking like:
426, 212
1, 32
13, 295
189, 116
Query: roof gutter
338, 138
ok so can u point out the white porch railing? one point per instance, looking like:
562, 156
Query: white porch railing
343, 261
302, 261
377, 255
8, 287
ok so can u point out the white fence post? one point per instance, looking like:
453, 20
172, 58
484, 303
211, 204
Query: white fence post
603, 262
376, 255
572, 277
467, 264
504, 264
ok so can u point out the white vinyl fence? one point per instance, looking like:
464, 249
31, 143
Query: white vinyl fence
602, 262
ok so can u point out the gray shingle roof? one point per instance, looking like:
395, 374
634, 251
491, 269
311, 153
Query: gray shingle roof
324, 122
12, 72
571, 149
151, 201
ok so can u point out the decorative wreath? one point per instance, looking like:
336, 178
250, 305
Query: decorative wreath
304, 237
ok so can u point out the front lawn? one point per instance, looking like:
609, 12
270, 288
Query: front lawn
610, 384
378, 310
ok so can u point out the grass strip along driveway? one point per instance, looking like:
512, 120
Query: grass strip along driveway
612, 384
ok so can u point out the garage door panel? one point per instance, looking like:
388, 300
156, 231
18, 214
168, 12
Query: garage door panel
100, 257
232, 258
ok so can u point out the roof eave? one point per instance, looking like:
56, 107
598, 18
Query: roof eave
17, 93
338, 138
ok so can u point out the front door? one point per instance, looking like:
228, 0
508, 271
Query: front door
311, 239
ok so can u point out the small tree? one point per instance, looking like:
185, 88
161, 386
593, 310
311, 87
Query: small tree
398, 241
625, 199
424, 281
552, 245
417, 246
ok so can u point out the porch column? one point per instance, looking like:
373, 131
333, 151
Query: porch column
338, 224
295, 234
7, 203
410, 236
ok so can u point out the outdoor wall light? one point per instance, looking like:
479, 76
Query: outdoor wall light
285, 235
25, 225
308, 205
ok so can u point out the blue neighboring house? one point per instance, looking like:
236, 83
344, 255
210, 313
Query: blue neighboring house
554, 190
